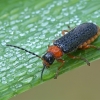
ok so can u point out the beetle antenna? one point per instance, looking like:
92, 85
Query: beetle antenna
24, 50
42, 71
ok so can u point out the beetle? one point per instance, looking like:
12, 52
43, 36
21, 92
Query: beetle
80, 37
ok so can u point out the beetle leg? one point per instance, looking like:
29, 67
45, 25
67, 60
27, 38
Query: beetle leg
78, 57
69, 27
91, 46
64, 31
62, 61
48, 45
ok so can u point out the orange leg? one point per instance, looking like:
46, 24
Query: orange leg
62, 61
90, 46
78, 57
63, 32
49, 45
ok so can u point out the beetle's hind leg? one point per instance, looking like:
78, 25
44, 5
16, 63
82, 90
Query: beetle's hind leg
91, 46
78, 57
64, 31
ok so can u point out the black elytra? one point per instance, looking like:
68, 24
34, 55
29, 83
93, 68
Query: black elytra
80, 34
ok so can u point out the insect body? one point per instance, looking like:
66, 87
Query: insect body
77, 37
80, 37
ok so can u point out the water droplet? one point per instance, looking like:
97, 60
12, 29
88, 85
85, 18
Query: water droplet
4, 80
12, 32
32, 29
30, 38
53, 31
28, 80
9, 54
22, 34
15, 63
28, 16
30, 25
15, 37
38, 46
18, 85
66, 1
44, 24
37, 12
44, 31
2, 74
13, 58
12, 22
59, 17
3, 43
31, 70
42, 37
53, 19
14, 28
49, 18
29, 66
12, 70
3, 68
59, 3
11, 79
18, 55
7, 40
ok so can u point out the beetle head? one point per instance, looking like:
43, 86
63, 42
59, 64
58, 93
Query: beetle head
48, 59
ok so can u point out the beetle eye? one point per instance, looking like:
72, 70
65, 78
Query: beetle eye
49, 58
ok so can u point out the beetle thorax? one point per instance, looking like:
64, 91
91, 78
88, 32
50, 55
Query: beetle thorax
56, 51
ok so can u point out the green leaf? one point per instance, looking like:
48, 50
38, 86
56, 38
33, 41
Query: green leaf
33, 25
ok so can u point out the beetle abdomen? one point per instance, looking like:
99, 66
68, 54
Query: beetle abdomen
74, 38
